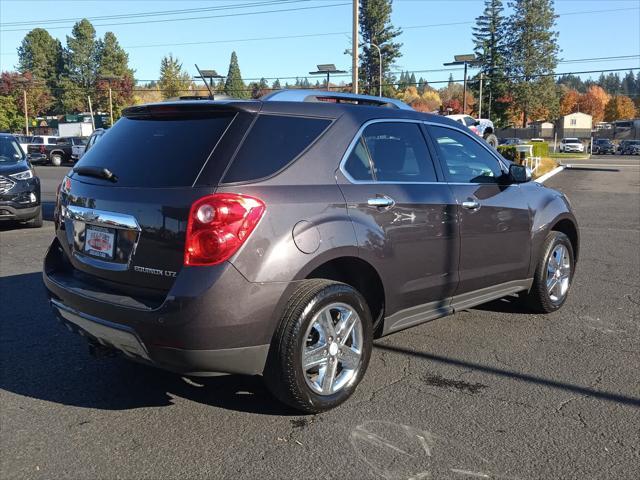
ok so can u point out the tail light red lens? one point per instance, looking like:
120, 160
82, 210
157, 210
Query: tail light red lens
218, 225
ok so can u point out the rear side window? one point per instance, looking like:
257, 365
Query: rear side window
37, 140
273, 142
146, 152
397, 151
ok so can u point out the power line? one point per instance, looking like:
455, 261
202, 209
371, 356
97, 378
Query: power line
151, 14
514, 77
227, 15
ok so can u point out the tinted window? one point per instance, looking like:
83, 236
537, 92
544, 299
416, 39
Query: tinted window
37, 140
399, 152
156, 153
358, 165
62, 141
272, 144
464, 159
51, 140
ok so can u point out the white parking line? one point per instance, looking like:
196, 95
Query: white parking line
579, 165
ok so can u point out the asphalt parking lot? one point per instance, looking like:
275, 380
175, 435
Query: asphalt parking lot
493, 392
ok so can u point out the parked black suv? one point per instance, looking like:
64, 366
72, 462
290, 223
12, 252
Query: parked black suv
59, 152
277, 237
602, 146
19, 185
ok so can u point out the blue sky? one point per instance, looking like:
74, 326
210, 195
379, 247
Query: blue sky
611, 29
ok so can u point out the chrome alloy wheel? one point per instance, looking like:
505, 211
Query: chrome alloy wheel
558, 273
331, 355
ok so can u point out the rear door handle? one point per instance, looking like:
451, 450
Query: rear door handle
471, 205
381, 202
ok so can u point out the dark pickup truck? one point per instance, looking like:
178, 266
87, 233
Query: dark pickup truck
57, 153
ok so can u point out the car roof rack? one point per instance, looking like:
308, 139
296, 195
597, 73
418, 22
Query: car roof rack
304, 95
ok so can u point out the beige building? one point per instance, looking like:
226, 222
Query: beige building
574, 125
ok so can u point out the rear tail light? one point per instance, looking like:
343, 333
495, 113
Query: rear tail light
218, 225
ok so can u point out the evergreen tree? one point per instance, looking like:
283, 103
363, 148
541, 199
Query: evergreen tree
610, 83
113, 70
173, 80
628, 84
81, 55
533, 56
376, 27
41, 54
276, 85
234, 86
412, 80
489, 38
573, 82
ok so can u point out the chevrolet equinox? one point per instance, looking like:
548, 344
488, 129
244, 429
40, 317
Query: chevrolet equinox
280, 236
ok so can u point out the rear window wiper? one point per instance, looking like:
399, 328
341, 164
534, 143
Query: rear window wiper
98, 172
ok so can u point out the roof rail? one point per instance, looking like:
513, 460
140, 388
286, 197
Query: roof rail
304, 95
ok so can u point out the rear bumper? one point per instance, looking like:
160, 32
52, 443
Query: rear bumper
243, 360
212, 320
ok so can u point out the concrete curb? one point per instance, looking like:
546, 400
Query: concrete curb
550, 174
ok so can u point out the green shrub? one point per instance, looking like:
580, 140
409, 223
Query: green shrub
540, 149
509, 152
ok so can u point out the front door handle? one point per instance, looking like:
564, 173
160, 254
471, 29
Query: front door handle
471, 204
381, 202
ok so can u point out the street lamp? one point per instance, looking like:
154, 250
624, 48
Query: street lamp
380, 67
465, 60
110, 78
327, 69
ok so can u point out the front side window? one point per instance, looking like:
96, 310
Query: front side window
464, 159
10, 151
396, 151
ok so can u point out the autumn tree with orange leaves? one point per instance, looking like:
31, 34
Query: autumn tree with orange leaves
569, 102
619, 107
593, 102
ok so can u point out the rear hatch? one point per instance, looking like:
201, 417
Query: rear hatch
123, 210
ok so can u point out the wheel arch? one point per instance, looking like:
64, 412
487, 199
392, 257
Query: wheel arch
359, 274
570, 229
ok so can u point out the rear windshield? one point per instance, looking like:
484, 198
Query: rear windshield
273, 142
145, 152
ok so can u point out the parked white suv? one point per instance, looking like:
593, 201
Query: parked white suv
571, 145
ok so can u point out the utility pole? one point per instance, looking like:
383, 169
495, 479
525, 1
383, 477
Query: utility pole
480, 101
354, 48
93, 121
380, 68
26, 115
464, 90
110, 105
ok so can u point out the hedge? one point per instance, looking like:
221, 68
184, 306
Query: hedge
540, 149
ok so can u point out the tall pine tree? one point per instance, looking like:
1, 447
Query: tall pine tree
234, 86
41, 54
113, 70
489, 38
533, 56
376, 27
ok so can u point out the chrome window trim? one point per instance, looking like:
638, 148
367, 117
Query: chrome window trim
100, 217
504, 167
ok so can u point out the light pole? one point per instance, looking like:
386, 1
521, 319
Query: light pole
354, 48
379, 67
327, 69
465, 60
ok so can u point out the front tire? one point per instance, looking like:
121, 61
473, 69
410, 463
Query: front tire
553, 275
36, 222
321, 348
492, 140
56, 160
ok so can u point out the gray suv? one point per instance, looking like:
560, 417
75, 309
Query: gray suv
279, 237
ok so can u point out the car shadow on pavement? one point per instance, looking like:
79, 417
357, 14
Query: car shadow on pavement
42, 360
510, 304
524, 377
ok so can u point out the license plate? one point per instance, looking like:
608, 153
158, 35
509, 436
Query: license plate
99, 241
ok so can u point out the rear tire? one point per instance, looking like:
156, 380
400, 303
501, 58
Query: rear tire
314, 366
492, 140
56, 160
553, 275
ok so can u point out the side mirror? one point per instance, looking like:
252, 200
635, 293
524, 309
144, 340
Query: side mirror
519, 173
